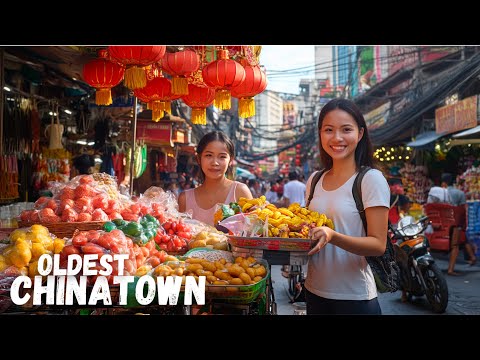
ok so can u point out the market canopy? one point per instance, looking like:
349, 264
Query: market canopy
468, 132
425, 138
245, 173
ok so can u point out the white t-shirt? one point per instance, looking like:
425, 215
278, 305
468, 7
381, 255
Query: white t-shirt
294, 190
334, 273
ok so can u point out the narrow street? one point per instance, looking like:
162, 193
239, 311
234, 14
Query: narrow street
464, 292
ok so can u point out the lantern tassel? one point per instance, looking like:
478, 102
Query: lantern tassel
135, 77
103, 96
179, 86
157, 115
223, 99
199, 116
167, 107
246, 107
157, 110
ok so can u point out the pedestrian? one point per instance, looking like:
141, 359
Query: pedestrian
294, 190
84, 162
339, 279
215, 154
399, 203
255, 188
271, 194
446, 193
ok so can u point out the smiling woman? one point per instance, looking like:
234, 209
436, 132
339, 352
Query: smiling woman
215, 154
340, 280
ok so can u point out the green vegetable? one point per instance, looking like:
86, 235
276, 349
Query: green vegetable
235, 207
133, 229
227, 211
109, 226
119, 222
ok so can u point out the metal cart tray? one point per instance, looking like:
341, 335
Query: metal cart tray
271, 243
273, 257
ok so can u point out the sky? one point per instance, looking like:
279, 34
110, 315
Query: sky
284, 58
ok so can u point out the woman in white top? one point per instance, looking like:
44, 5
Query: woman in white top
339, 279
215, 154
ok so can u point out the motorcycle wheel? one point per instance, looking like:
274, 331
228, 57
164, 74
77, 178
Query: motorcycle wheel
437, 289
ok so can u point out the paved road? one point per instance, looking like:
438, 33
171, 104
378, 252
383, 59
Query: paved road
464, 293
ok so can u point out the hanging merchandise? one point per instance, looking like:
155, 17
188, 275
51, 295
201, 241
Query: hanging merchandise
144, 158
140, 161
416, 182
54, 131
8, 177
35, 124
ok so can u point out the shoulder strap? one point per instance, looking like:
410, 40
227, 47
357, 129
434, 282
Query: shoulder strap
313, 184
357, 194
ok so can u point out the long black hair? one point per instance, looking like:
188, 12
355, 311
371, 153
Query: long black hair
207, 139
364, 150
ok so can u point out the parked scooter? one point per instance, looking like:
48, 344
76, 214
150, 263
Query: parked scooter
419, 274
296, 279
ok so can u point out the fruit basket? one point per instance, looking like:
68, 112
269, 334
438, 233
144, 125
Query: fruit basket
66, 229
271, 243
238, 294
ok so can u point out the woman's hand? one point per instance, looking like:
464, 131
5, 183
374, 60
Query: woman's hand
322, 235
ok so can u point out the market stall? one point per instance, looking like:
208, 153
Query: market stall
88, 216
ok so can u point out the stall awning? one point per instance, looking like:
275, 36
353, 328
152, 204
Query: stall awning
425, 138
245, 173
468, 132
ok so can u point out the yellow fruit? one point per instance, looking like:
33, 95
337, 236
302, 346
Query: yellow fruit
20, 255
18, 235
39, 229
58, 245
38, 250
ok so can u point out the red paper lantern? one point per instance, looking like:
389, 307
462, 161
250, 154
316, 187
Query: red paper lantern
178, 65
135, 58
255, 82
223, 74
199, 98
158, 94
103, 74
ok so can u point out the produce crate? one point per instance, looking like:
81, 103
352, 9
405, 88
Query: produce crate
66, 229
238, 294
273, 257
271, 243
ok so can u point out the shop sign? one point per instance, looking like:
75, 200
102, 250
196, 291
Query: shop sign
155, 133
455, 117
178, 136
378, 116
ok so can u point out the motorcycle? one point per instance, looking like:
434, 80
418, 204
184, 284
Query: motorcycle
419, 274
296, 277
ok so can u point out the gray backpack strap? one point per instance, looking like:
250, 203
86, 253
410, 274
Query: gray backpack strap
357, 194
313, 184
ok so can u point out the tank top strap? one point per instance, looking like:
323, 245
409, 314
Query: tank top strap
235, 192
190, 199
231, 197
